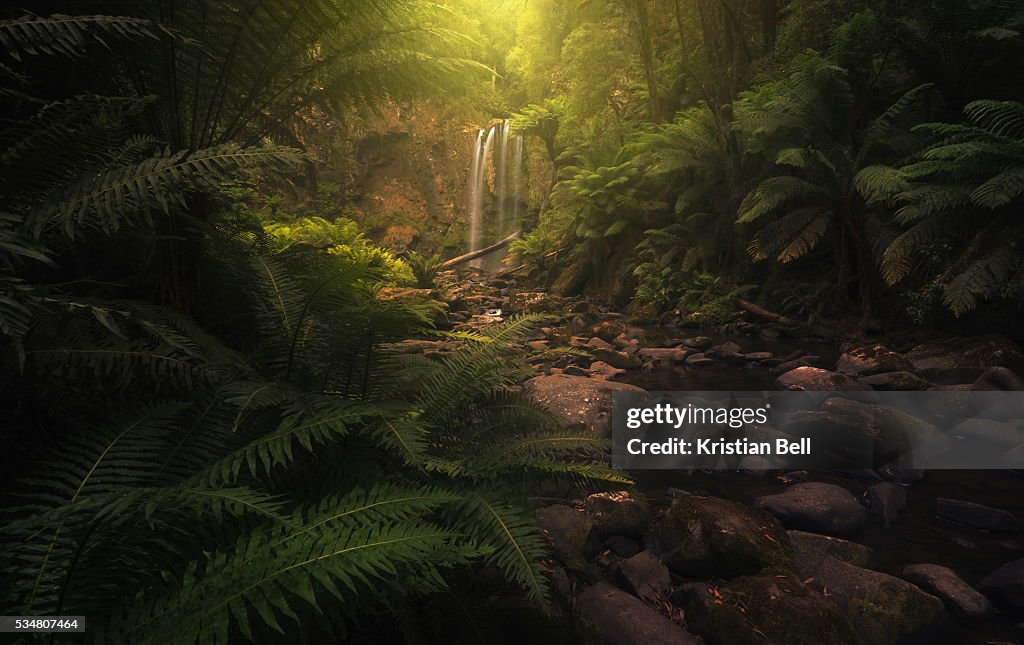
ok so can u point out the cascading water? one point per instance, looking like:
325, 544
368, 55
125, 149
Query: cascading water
496, 156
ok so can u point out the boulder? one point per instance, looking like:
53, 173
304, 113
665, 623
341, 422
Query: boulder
873, 359
699, 343
598, 343
808, 550
885, 501
999, 379
699, 360
645, 576
883, 609
815, 506
707, 536
815, 379
602, 370
622, 546
1005, 586
608, 329
664, 354
773, 607
896, 381
582, 403
570, 533
988, 431
964, 359
618, 359
617, 513
976, 515
960, 598
622, 619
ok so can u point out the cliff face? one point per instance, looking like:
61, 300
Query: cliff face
409, 181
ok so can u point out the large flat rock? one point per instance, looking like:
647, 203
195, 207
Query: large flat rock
583, 403
622, 619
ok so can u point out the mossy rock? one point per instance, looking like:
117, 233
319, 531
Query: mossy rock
773, 607
809, 549
705, 536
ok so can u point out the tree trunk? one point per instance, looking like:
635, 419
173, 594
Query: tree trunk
472, 255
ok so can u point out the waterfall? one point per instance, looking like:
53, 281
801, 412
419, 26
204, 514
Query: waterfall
497, 155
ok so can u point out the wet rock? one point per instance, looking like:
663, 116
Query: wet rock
617, 513
990, 432
758, 356
607, 330
960, 598
873, 359
664, 354
771, 333
699, 360
618, 359
644, 576
699, 343
976, 515
961, 360
808, 550
602, 370
538, 345
707, 536
622, 619
815, 506
726, 354
999, 378
622, 546
571, 534
768, 608
575, 370
896, 381
582, 403
885, 501
883, 608
1005, 586
816, 379
599, 343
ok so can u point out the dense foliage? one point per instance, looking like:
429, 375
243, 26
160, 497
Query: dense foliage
839, 146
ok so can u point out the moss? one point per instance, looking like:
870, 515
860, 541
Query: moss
774, 607
893, 615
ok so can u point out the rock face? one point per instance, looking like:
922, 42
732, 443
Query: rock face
883, 609
1005, 586
570, 533
622, 619
644, 576
768, 608
809, 550
976, 515
815, 379
584, 404
873, 359
815, 506
965, 359
707, 536
617, 513
960, 598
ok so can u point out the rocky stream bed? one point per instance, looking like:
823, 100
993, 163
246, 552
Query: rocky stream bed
761, 556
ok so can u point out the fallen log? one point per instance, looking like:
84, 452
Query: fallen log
472, 255
764, 314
